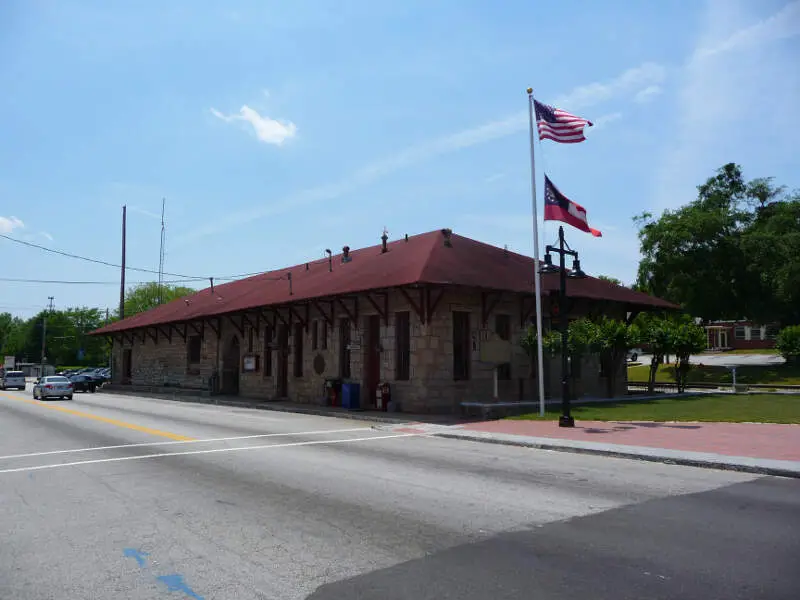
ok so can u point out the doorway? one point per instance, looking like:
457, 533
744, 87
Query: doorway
230, 368
127, 365
372, 359
283, 362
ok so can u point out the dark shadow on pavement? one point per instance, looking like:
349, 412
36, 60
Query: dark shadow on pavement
738, 542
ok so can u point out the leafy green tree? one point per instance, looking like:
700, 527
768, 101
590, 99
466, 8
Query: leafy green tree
614, 339
788, 343
609, 279
687, 339
143, 297
657, 334
691, 255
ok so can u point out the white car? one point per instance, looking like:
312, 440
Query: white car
12, 379
54, 386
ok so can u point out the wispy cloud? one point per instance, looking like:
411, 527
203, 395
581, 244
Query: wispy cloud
647, 94
723, 79
46, 236
144, 212
603, 121
585, 96
495, 177
9, 224
267, 130
632, 81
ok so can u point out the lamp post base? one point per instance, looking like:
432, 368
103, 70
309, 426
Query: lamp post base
564, 421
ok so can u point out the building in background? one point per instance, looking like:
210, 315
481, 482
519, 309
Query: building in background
741, 334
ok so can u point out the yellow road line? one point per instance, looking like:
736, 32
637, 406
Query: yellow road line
126, 425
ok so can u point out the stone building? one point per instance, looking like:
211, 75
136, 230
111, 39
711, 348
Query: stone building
415, 313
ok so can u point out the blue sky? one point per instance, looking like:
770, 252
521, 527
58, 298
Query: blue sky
277, 129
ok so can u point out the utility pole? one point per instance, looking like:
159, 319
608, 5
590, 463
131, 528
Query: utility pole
108, 364
44, 337
122, 270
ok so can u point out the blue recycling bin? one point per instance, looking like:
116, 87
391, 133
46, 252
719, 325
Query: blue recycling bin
351, 395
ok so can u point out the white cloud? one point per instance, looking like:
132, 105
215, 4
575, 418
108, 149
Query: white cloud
580, 97
144, 212
631, 81
783, 24
647, 94
724, 80
603, 121
46, 236
495, 177
269, 131
9, 224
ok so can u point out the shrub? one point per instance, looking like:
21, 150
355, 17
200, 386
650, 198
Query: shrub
788, 343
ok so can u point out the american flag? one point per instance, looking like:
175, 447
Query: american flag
559, 125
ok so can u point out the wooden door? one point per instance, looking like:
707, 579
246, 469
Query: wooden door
231, 363
283, 361
372, 358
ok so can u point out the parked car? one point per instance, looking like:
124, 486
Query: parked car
12, 379
95, 375
634, 353
52, 386
83, 383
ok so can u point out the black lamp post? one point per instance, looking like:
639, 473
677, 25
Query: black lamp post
563, 250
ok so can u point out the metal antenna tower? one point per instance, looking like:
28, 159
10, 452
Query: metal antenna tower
161, 254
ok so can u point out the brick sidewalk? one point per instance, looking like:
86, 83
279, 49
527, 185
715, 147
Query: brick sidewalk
755, 440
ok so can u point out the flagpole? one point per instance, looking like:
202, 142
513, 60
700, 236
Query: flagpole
537, 275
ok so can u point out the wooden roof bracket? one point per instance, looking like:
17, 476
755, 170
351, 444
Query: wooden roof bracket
383, 311
153, 334
352, 315
328, 319
418, 308
488, 304
432, 301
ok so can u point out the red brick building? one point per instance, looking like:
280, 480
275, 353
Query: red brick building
742, 334
415, 313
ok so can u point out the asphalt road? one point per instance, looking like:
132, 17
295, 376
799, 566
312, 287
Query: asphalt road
121, 497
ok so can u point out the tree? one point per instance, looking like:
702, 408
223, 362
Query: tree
727, 254
657, 334
788, 343
609, 279
614, 339
146, 296
687, 339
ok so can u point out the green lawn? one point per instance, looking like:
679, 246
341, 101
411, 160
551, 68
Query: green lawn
731, 408
768, 374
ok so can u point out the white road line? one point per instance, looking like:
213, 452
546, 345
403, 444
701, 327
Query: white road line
205, 441
212, 451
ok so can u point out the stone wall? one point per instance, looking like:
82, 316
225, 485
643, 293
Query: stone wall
430, 388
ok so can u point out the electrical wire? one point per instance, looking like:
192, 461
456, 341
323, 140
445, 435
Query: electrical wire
140, 270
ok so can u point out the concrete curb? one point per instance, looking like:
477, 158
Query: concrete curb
779, 468
303, 410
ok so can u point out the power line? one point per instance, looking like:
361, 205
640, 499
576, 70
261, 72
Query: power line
93, 260
116, 266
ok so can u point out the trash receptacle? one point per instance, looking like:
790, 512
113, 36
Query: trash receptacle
351, 395
333, 391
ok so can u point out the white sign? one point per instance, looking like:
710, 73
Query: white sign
10, 362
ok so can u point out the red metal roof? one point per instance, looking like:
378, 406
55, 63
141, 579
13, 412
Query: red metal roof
420, 259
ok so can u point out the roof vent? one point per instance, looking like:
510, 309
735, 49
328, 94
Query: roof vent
330, 259
406, 237
384, 239
346, 254
447, 233
505, 250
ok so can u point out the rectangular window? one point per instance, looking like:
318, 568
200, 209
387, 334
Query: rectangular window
324, 335
502, 327
193, 350
268, 351
402, 336
462, 346
314, 335
298, 349
250, 340
344, 348
739, 332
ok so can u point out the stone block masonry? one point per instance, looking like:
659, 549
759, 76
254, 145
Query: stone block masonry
430, 387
